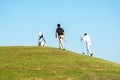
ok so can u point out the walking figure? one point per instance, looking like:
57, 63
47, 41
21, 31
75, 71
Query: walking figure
87, 40
60, 34
41, 40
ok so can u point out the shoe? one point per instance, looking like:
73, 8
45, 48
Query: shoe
64, 49
83, 53
91, 55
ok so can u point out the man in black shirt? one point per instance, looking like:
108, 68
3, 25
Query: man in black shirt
60, 35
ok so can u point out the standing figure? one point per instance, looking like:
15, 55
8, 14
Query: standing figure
41, 40
60, 35
87, 40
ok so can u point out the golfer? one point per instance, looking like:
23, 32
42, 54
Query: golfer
60, 35
41, 40
87, 40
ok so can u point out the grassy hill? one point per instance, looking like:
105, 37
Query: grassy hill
45, 63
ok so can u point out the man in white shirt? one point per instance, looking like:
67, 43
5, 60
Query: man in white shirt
41, 40
87, 39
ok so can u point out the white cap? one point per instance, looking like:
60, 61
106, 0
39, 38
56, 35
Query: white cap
40, 33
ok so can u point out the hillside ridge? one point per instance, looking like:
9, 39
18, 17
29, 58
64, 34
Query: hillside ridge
47, 63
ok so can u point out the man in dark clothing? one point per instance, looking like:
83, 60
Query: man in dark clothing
60, 35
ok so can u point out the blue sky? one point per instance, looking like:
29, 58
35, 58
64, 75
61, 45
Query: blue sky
22, 20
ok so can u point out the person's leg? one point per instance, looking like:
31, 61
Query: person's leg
88, 49
61, 41
60, 47
38, 43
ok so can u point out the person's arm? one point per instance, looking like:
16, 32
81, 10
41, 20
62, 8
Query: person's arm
63, 31
56, 34
81, 39
84, 38
39, 38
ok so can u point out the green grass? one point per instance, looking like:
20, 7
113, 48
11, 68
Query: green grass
45, 63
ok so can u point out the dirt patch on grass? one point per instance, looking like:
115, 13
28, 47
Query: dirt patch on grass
32, 78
